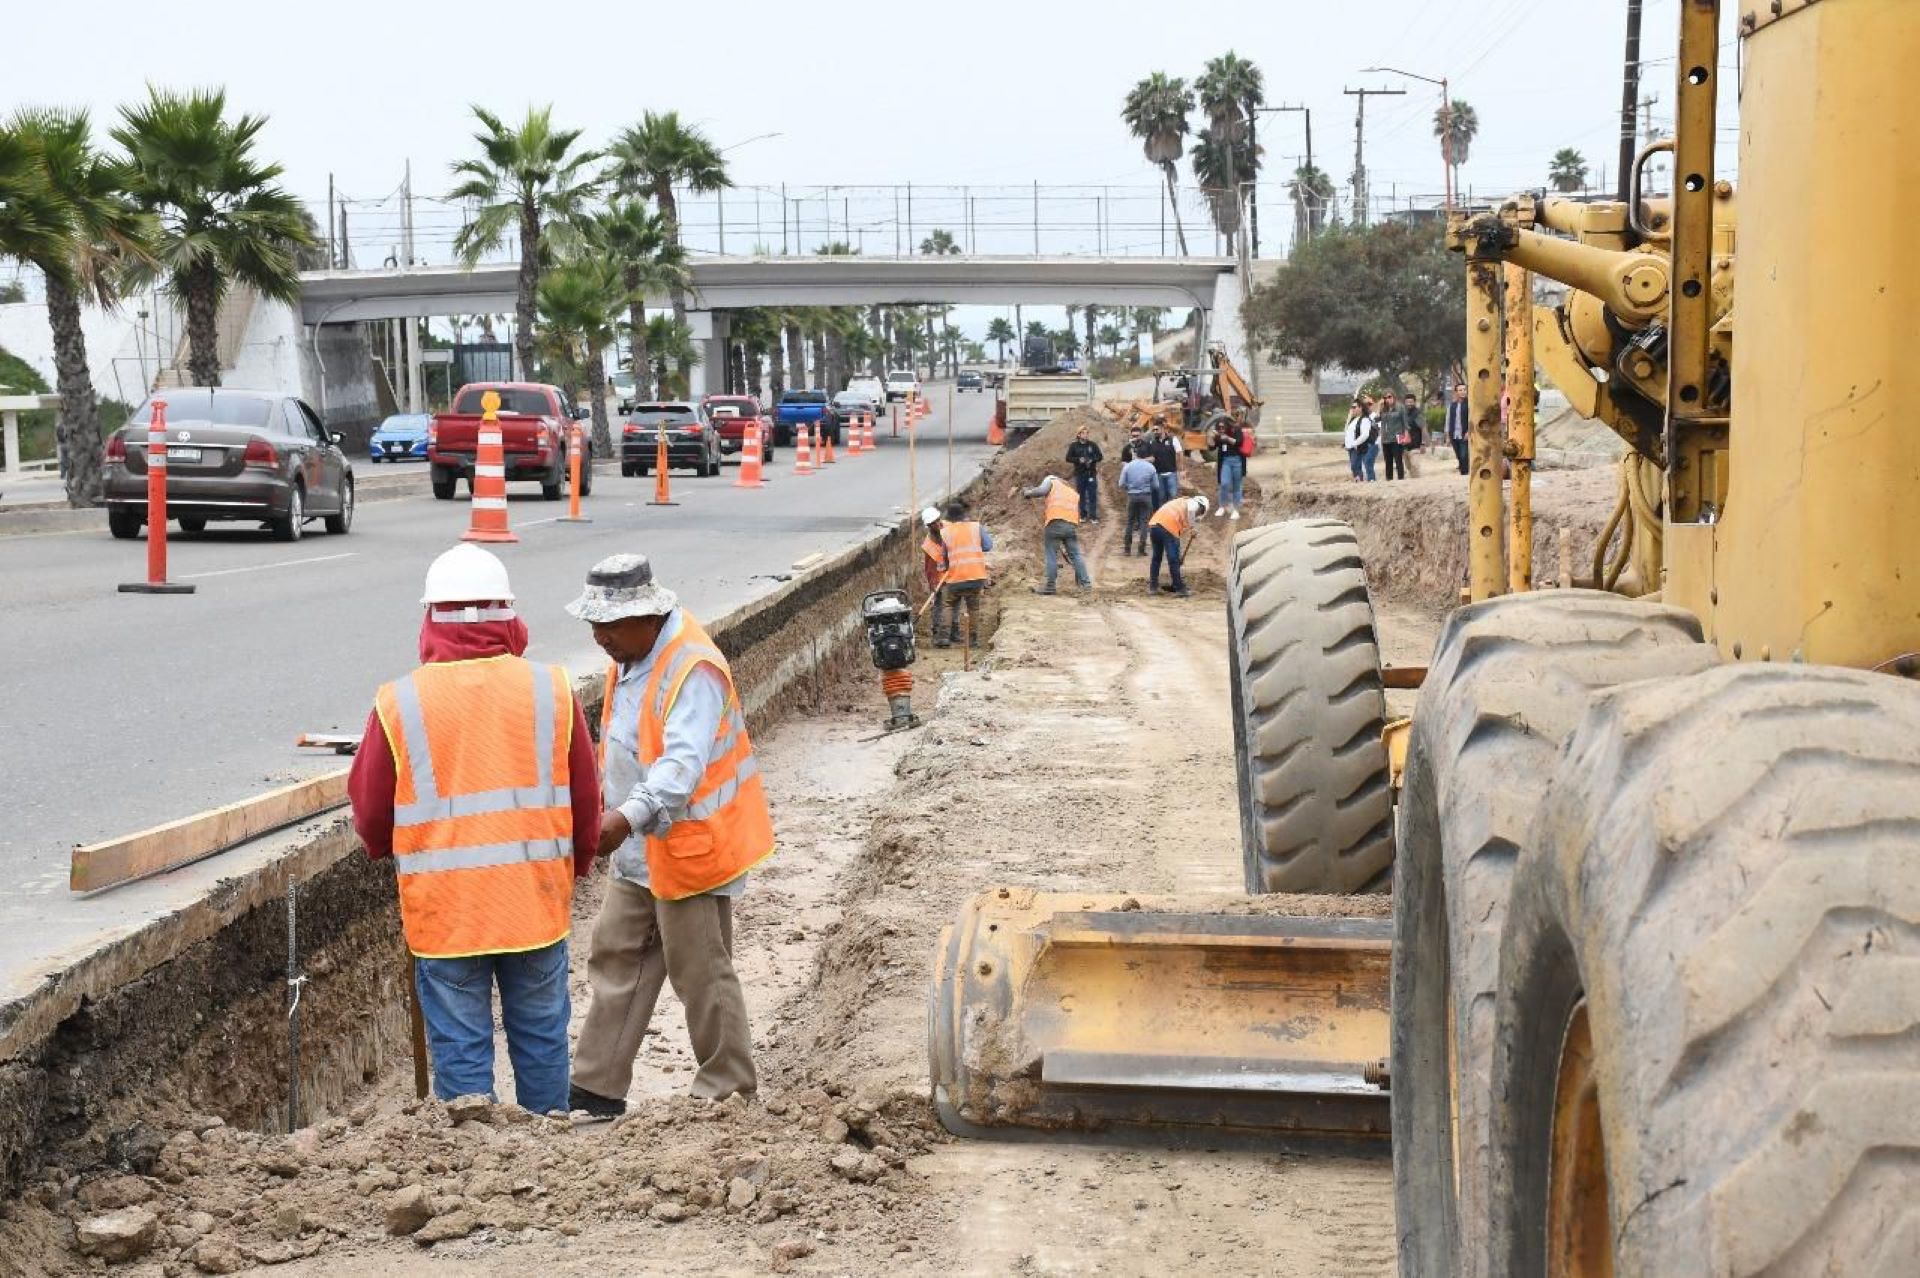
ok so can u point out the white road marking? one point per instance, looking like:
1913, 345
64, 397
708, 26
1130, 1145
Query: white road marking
535, 523
284, 563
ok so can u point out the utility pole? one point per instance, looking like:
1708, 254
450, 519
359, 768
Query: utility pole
1312, 195
1360, 147
346, 242
1646, 124
333, 262
1629, 96
910, 247
406, 214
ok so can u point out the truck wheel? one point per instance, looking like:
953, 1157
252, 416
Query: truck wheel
586, 474
124, 522
1510, 678
1315, 809
628, 470
443, 484
555, 488
1704, 1042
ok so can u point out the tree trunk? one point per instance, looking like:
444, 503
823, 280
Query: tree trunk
1173, 202
887, 354
753, 371
528, 283
1093, 352
597, 390
636, 331
933, 350
79, 423
670, 212
822, 373
203, 331
876, 321
796, 358
736, 367
777, 367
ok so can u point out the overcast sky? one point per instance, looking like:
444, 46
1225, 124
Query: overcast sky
863, 92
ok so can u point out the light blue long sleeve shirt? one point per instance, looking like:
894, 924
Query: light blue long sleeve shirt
1136, 477
653, 800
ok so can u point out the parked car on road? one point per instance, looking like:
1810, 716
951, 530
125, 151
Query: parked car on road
401, 437
847, 405
621, 384
534, 420
255, 456
872, 387
969, 380
692, 442
730, 415
798, 410
902, 382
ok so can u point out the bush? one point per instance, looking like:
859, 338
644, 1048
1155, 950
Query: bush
36, 427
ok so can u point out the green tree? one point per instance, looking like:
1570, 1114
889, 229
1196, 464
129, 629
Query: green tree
1387, 298
1456, 124
650, 261
1111, 337
579, 305
1312, 193
529, 179
671, 345
658, 154
102, 235
1156, 113
1568, 170
939, 243
1230, 90
1036, 329
999, 332
11, 293
221, 216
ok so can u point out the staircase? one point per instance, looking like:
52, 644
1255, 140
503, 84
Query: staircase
1292, 398
230, 329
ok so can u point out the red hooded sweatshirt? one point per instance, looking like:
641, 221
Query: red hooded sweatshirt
373, 779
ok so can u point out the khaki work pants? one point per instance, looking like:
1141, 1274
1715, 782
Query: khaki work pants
637, 941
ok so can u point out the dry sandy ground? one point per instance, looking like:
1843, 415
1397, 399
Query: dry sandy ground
1090, 748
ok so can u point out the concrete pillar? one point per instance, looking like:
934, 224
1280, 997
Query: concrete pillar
416, 390
10, 421
709, 338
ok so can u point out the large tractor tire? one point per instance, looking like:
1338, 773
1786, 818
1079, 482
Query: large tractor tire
1705, 1056
1510, 679
1316, 810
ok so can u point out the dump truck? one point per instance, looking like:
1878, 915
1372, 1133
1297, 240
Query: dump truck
1034, 399
1653, 842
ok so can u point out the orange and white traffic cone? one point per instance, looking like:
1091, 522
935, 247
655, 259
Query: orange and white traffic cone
662, 488
803, 452
997, 425
826, 444
750, 459
156, 582
853, 435
489, 519
868, 441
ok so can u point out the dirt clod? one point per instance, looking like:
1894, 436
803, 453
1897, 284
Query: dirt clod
216, 1255
118, 1235
669, 1212
408, 1210
740, 1194
788, 1250
455, 1224
469, 1109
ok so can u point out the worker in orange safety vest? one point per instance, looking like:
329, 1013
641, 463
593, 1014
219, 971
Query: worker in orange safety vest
686, 817
476, 775
1169, 528
967, 543
933, 563
1062, 519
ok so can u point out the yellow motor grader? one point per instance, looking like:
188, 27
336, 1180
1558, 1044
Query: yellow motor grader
1649, 1002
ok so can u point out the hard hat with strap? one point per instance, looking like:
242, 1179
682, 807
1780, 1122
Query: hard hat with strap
1175, 516
966, 560
483, 817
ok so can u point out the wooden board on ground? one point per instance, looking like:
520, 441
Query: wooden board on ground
178, 843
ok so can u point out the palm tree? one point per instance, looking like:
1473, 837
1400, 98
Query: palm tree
221, 218
529, 179
999, 332
1036, 329
657, 154
1456, 125
1568, 170
1111, 337
650, 261
1156, 113
1312, 192
671, 345
580, 303
1230, 91
97, 233
939, 243
1220, 168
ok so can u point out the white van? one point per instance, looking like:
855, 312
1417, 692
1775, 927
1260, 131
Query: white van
902, 383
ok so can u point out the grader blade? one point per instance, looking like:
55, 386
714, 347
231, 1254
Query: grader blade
1173, 1019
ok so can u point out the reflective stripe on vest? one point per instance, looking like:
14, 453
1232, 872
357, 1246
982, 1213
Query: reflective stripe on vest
966, 561
1174, 516
725, 829
483, 817
1062, 502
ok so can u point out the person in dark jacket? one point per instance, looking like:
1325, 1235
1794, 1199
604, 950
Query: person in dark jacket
1457, 424
1393, 432
1085, 457
1164, 453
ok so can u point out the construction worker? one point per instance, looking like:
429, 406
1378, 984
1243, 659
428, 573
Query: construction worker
476, 774
1062, 520
967, 544
1168, 528
685, 819
933, 564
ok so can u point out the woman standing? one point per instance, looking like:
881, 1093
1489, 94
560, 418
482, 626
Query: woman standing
1228, 438
1355, 439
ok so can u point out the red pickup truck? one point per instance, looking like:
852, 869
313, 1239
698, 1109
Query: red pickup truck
534, 421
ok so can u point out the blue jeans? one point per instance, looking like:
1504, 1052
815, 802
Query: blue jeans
456, 999
1167, 546
1062, 535
1354, 457
1233, 481
1367, 460
1089, 486
1164, 487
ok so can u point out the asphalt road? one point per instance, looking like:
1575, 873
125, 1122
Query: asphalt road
125, 711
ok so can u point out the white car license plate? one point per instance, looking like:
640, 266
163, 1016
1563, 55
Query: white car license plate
182, 454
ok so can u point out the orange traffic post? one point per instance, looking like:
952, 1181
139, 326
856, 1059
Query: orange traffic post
750, 459
997, 424
896, 421
662, 488
576, 444
868, 441
156, 582
853, 435
489, 519
803, 451
826, 444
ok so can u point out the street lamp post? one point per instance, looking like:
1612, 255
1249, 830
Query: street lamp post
1446, 119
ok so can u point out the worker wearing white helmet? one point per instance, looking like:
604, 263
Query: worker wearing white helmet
933, 560
1169, 529
485, 861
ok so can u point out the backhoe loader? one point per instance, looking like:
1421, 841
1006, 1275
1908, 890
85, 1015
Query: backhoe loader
1654, 856
1193, 400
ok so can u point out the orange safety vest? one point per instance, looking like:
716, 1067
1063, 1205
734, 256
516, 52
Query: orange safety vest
482, 810
1062, 502
934, 551
1174, 516
966, 561
726, 829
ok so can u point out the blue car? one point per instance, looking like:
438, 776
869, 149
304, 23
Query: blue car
402, 437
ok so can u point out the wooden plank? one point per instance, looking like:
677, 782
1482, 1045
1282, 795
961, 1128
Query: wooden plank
177, 843
1403, 676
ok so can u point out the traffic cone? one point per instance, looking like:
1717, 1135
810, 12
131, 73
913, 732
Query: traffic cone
750, 459
826, 445
868, 441
489, 519
997, 425
662, 489
803, 452
853, 435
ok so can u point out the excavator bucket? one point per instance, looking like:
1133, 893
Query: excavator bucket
1174, 1019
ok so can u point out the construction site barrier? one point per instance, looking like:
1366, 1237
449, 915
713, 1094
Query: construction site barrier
803, 451
576, 445
853, 434
868, 441
750, 459
662, 487
826, 444
156, 582
488, 521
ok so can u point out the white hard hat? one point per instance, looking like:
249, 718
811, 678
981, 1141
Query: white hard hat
930, 516
467, 574
1198, 505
